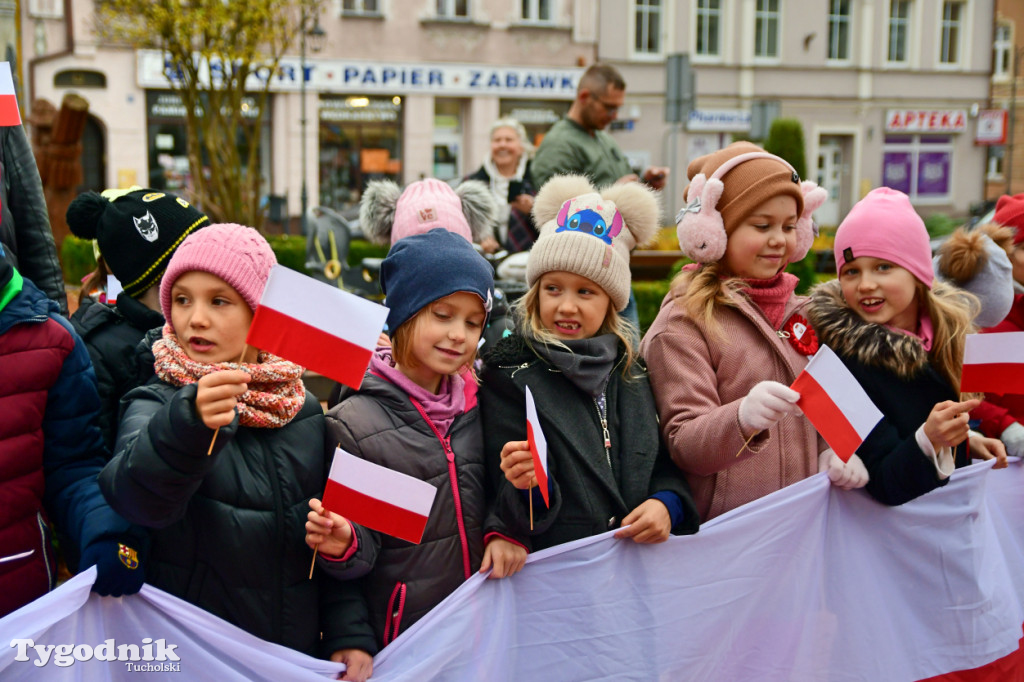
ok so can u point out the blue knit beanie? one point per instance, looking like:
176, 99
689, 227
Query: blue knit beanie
422, 268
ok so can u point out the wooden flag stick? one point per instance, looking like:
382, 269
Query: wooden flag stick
529, 493
214, 439
745, 444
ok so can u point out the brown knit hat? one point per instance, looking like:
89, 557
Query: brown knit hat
744, 187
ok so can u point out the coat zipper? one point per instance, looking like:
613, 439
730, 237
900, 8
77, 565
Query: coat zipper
453, 478
394, 617
602, 413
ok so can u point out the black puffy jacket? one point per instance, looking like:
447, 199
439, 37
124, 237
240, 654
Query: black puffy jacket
228, 529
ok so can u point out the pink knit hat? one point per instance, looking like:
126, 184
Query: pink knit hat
237, 254
425, 205
884, 225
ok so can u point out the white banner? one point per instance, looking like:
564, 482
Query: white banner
809, 583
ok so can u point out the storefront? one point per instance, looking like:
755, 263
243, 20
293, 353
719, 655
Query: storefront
917, 157
360, 141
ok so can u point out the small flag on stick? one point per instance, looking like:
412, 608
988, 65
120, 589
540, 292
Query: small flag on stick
378, 497
10, 115
835, 403
993, 363
538, 448
318, 326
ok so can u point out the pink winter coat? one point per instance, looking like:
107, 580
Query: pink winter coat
698, 381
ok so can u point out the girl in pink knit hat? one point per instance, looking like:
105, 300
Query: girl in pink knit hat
901, 333
732, 335
227, 518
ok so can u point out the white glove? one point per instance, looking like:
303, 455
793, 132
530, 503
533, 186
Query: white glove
1013, 439
846, 475
767, 403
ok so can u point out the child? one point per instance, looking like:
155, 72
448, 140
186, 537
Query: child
607, 466
901, 334
416, 414
731, 337
137, 230
227, 527
50, 454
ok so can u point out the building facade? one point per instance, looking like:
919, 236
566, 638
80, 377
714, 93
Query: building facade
887, 90
1005, 169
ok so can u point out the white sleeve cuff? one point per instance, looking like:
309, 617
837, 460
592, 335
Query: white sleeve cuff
943, 461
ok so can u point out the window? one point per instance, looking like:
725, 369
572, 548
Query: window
899, 23
766, 29
358, 7
46, 9
647, 39
537, 10
1002, 48
839, 30
952, 13
709, 21
919, 166
995, 162
453, 9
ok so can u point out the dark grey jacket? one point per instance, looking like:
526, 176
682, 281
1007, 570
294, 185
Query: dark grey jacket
402, 581
587, 496
228, 530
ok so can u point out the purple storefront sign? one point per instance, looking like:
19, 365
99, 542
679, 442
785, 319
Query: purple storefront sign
933, 174
896, 170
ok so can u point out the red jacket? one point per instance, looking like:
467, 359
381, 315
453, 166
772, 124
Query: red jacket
999, 411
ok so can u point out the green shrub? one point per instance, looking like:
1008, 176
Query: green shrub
360, 249
786, 139
76, 259
648, 300
290, 250
939, 224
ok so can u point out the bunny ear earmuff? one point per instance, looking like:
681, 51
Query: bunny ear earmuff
806, 230
699, 225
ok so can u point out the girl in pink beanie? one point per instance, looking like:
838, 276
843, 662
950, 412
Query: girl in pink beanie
901, 334
227, 520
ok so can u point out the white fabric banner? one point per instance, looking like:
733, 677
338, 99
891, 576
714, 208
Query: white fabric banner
809, 583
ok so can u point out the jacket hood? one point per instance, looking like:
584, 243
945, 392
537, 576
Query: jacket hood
844, 331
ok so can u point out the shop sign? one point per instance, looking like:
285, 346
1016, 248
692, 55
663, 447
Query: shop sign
991, 127
357, 76
718, 120
926, 120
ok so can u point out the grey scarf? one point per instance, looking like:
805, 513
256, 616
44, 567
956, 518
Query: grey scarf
587, 363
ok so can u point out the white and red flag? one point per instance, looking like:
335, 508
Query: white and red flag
538, 447
378, 497
10, 115
318, 326
835, 403
993, 363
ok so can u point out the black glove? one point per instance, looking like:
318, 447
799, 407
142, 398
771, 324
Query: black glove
118, 568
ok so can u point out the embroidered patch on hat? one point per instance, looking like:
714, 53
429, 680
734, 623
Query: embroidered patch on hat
427, 215
588, 220
181, 202
847, 254
153, 196
147, 227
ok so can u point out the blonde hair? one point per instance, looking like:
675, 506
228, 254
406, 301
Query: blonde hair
527, 315
703, 289
951, 311
403, 337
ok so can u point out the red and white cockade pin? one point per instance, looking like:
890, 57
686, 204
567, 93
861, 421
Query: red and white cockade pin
800, 335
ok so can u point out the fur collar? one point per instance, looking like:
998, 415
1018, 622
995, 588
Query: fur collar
868, 343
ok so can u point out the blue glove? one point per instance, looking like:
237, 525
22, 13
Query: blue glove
118, 569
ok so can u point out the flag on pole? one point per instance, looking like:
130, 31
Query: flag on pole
993, 363
378, 497
835, 403
538, 447
318, 326
10, 115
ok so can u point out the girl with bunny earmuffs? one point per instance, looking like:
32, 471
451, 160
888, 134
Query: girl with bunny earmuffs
607, 465
732, 335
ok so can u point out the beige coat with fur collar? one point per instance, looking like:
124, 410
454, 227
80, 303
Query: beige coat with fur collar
698, 381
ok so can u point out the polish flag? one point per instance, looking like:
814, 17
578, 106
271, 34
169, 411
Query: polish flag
993, 363
538, 447
318, 326
378, 497
835, 403
10, 115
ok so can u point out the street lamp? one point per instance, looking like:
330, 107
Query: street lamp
316, 36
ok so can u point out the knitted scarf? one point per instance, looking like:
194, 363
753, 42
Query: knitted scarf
276, 392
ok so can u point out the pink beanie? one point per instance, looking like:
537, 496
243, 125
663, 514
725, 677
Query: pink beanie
884, 225
237, 254
425, 205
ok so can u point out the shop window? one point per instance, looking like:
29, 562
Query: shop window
537, 11
447, 140
952, 19
79, 78
360, 140
766, 29
996, 156
537, 116
453, 9
839, 30
899, 27
919, 166
647, 37
1002, 49
709, 26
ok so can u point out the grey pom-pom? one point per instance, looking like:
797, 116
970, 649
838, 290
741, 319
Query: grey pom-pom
84, 214
377, 210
